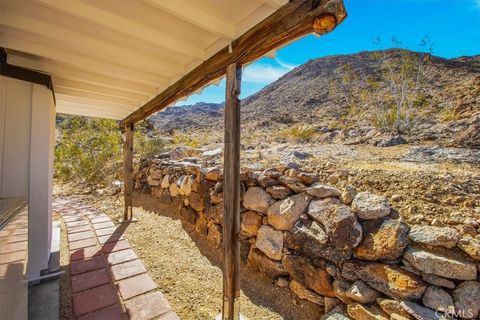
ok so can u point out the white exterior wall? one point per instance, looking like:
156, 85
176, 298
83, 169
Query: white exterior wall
27, 133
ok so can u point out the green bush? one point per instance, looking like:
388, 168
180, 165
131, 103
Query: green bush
88, 151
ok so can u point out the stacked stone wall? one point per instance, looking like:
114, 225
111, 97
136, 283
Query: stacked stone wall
347, 251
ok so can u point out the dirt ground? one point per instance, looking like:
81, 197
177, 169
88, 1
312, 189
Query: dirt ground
187, 268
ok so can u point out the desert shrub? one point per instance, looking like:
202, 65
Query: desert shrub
299, 132
88, 151
188, 139
147, 147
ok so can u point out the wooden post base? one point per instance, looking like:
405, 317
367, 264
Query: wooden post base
127, 220
219, 317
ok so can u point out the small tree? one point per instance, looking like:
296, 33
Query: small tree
395, 94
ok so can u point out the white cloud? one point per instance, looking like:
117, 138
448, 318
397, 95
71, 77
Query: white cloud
266, 73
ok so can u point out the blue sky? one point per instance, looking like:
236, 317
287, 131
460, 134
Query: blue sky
453, 26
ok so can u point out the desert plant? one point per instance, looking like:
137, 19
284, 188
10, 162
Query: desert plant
88, 151
299, 132
394, 95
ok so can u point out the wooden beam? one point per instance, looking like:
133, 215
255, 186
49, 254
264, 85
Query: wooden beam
128, 172
293, 20
231, 195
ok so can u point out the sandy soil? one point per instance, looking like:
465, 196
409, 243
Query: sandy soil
187, 268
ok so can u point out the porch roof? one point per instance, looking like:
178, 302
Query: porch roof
108, 58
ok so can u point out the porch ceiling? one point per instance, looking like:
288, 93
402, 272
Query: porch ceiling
108, 58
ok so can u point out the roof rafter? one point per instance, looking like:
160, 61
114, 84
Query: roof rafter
196, 17
291, 21
126, 26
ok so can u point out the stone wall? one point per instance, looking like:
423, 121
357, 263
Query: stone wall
347, 251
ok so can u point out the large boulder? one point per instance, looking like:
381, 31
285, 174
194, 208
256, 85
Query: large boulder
259, 261
284, 214
257, 199
369, 206
391, 280
322, 191
382, 240
301, 270
341, 226
440, 264
270, 242
466, 298
434, 236
312, 241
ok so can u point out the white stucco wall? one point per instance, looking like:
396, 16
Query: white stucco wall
27, 127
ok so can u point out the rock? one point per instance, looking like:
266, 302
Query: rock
174, 190
215, 153
251, 222
434, 236
341, 226
438, 281
153, 182
307, 178
440, 264
333, 178
301, 270
270, 242
340, 288
382, 240
279, 192
282, 282
361, 292
306, 294
188, 214
257, 199
338, 313
265, 181
348, 194
323, 191
470, 246
369, 206
186, 185
420, 313
391, 280
284, 213
215, 213
201, 225
359, 312
299, 155
317, 207
259, 261
392, 307
313, 242
388, 141
466, 298
396, 316
273, 173
213, 174
292, 183
330, 303
214, 233
438, 299
200, 200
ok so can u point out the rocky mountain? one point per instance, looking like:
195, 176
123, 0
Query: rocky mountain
320, 92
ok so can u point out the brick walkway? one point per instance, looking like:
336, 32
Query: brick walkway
108, 280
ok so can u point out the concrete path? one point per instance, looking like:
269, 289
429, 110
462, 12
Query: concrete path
108, 280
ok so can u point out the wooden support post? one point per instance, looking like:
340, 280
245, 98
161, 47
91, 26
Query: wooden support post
231, 196
128, 171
